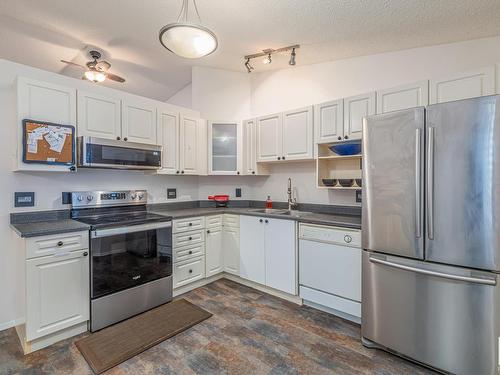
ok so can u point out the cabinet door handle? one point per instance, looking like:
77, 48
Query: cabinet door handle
208, 231
266, 221
85, 254
253, 172
283, 158
190, 238
190, 224
190, 271
118, 138
339, 138
238, 172
347, 238
125, 139
279, 158
346, 137
261, 220
177, 172
190, 252
60, 243
182, 172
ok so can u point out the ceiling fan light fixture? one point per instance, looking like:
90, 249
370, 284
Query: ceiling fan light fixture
292, 58
94, 76
187, 39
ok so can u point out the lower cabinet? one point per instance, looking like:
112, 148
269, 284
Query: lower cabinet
214, 257
188, 271
268, 252
231, 249
57, 293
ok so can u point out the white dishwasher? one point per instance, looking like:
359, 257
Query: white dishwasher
330, 269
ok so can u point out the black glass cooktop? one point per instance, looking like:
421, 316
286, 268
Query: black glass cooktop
106, 218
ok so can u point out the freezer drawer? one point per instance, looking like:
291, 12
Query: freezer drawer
446, 317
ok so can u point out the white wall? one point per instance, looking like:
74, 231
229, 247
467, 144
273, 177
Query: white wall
221, 94
48, 186
183, 97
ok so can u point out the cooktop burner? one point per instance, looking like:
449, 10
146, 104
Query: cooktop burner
121, 218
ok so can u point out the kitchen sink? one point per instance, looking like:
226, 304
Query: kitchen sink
271, 211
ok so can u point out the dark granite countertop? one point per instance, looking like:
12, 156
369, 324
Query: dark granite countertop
40, 223
45, 228
346, 221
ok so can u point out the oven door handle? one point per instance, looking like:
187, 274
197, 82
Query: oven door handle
97, 233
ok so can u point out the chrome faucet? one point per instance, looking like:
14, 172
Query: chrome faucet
292, 202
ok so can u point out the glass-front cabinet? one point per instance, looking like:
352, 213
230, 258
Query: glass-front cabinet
224, 148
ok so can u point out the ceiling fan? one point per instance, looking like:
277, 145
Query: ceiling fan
96, 71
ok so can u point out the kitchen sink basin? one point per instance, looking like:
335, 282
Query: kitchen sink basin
271, 211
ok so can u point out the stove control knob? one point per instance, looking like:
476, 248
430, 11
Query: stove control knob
141, 196
90, 198
80, 198
133, 196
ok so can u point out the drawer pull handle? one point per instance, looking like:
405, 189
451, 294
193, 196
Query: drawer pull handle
266, 221
85, 254
208, 231
190, 271
190, 252
347, 238
60, 243
260, 220
190, 238
190, 224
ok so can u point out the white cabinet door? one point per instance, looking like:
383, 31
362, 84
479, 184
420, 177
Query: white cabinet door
189, 145
403, 97
214, 255
270, 137
249, 147
224, 153
43, 101
355, 108
139, 121
252, 249
168, 136
57, 293
298, 134
329, 121
231, 246
98, 116
280, 255
478, 82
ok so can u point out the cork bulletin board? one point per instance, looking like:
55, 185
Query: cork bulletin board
48, 143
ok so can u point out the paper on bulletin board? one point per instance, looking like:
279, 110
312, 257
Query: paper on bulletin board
46, 142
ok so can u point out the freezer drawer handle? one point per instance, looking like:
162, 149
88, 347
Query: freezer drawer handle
477, 280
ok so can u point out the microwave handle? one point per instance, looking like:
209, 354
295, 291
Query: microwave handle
98, 233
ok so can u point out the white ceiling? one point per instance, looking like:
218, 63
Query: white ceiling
40, 33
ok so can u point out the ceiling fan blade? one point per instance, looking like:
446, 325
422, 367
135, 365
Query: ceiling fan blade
114, 77
75, 64
102, 66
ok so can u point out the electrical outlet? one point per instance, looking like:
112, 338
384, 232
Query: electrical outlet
171, 193
24, 199
238, 192
358, 196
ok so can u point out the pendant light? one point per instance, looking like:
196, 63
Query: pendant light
188, 39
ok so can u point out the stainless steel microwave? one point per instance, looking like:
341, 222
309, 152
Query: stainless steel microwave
108, 153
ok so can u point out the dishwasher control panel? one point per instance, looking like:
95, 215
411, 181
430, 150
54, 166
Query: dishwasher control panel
323, 233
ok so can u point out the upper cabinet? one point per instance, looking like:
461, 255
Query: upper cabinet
43, 101
192, 146
403, 97
139, 121
169, 138
250, 165
329, 121
270, 137
298, 134
98, 116
285, 136
478, 82
355, 108
224, 148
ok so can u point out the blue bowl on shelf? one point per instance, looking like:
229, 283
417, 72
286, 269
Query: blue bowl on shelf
346, 148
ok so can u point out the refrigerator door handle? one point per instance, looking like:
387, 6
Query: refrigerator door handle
430, 183
469, 279
418, 188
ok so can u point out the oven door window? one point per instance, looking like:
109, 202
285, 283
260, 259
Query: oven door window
125, 260
113, 155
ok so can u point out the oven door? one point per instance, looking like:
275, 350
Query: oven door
125, 257
105, 153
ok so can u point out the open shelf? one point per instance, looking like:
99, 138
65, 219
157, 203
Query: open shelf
358, 156
333, 166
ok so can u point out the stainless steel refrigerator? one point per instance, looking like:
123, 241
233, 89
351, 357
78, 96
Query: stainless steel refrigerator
431, 234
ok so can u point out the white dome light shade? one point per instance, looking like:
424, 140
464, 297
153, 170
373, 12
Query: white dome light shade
188, 40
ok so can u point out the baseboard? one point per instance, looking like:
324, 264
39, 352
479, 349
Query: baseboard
329, 310
196, 284
12, 323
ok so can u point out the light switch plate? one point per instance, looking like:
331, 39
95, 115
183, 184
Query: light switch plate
171, 193
24, 199
238, 192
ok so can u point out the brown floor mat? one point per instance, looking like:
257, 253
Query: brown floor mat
115, 344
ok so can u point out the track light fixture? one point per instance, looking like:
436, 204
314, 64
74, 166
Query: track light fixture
268, 59
248, 66
292, 57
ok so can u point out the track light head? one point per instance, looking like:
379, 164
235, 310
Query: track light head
292, 57
268, 59
248, 66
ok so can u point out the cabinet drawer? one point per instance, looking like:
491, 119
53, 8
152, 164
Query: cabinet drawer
190, 223
335, 235
188, 271
188, 252
56, 243
230, 220
213, 221
188, 238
